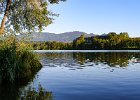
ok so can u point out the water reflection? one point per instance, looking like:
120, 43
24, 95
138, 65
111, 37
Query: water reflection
22, 90
92, 75
112, 59
78, 60
64, 78
33, 94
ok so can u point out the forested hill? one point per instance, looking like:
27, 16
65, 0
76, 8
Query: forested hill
62, 37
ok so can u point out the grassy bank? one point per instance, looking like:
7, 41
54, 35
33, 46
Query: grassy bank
16, 61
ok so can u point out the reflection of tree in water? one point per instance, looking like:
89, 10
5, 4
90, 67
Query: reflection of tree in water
80, 57
33, 94
121, 59
56, 58
18, 91
52, 55
113, 59
9, 91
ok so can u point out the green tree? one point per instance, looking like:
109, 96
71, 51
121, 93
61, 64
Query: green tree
25, 15
124, 35
78, 43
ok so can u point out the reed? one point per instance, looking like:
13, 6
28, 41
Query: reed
16, 61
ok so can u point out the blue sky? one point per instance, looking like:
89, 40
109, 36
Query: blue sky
97, 16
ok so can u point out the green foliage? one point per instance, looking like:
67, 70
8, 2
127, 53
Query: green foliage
27, 15
51, 45
16, 61
111, 41
79, 42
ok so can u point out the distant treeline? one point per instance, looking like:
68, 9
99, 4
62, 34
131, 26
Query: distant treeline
110, 41
51, 45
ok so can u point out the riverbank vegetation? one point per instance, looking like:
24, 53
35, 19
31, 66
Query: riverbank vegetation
16, 61
110, 41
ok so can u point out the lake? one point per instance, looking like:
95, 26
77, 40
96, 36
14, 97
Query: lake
85, 75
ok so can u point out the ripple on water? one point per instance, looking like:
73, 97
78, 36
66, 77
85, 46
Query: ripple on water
91, 75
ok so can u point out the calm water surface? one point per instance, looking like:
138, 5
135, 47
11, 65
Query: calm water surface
87, 75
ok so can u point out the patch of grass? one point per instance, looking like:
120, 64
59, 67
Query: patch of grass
16, 61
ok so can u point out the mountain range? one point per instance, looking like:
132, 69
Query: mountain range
62, 37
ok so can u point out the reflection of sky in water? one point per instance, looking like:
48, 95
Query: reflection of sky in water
90, 76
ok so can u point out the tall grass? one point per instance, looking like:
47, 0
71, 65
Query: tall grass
16, 61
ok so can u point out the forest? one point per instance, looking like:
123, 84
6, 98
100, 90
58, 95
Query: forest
110, 41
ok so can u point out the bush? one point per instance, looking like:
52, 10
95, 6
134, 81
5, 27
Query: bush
16, 61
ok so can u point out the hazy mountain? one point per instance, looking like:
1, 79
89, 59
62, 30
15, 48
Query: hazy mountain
62, 37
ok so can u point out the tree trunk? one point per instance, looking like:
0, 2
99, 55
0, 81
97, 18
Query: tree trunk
2, 24
5, 15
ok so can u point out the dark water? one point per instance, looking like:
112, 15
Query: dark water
86, 76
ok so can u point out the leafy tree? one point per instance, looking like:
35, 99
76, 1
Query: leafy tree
26, 15
79, 41
124, 35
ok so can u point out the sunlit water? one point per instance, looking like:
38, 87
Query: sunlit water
89, 75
